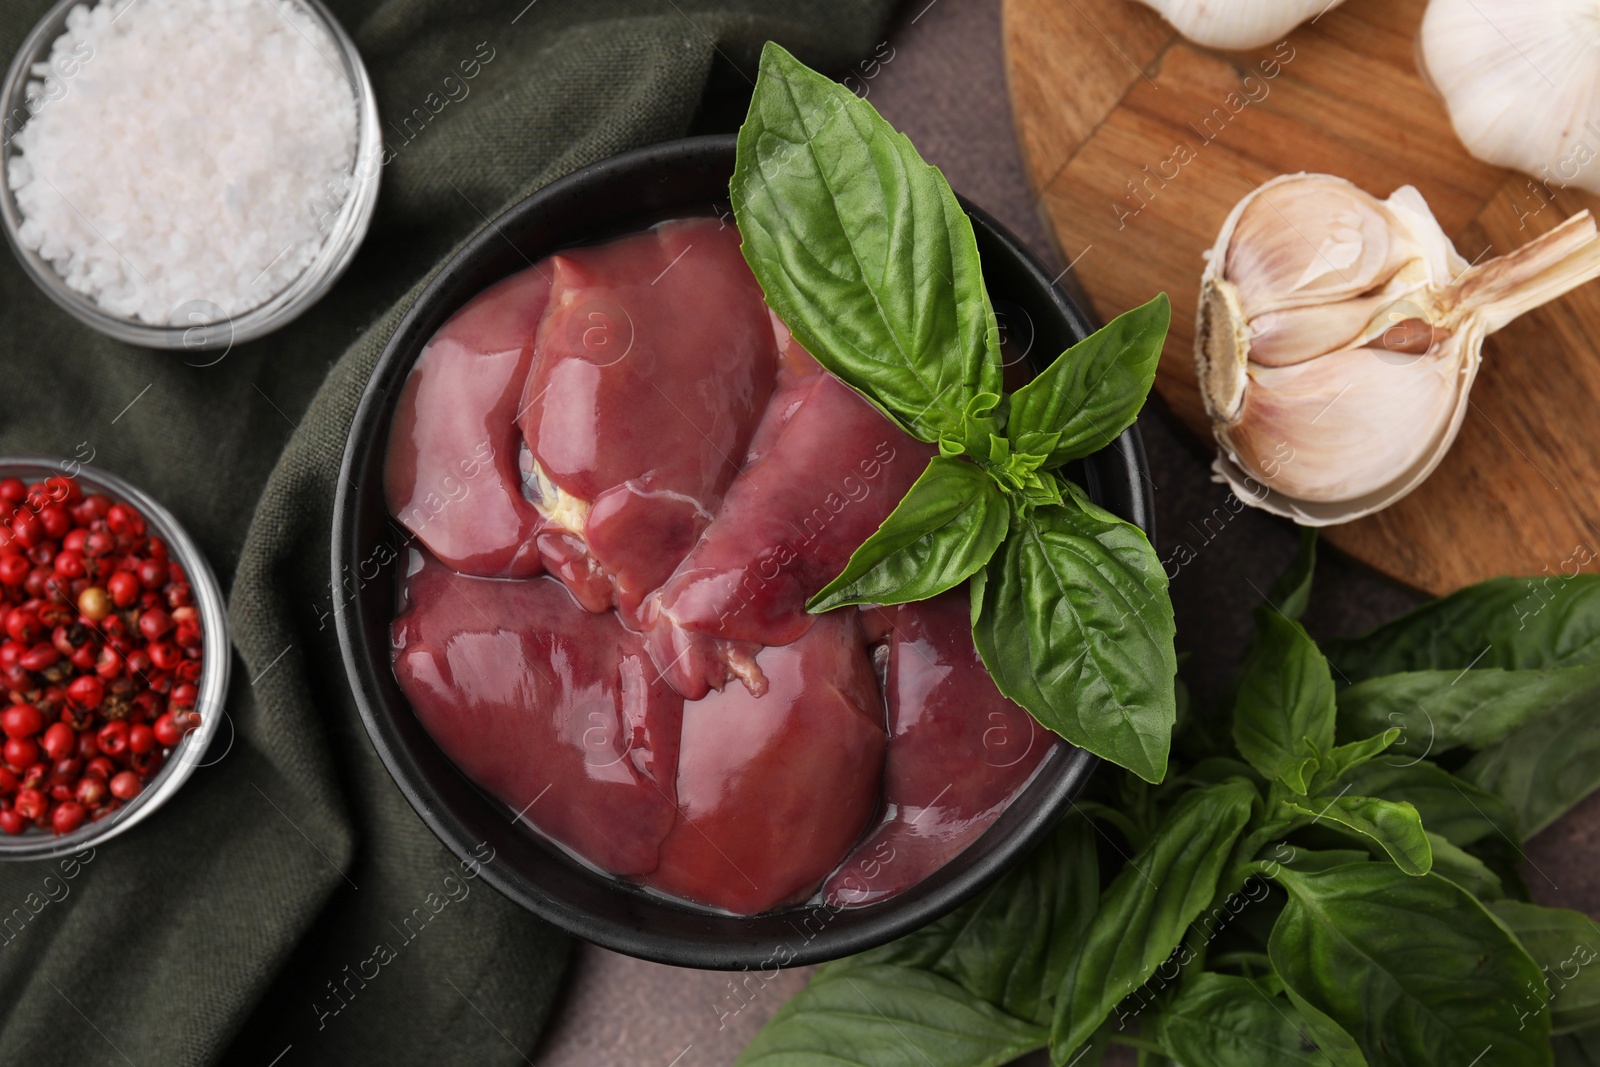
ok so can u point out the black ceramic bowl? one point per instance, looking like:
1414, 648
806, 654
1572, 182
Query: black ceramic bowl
610, 198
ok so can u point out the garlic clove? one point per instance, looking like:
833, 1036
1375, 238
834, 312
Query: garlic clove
1235, 25
1343, 426
1521, 81
1310, 240
1331, 408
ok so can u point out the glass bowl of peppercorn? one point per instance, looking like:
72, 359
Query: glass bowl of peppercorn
113, 656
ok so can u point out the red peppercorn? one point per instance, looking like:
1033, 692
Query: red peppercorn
85, 656
123, 519
67, 816
69, 564
27, 529
141, 739
91, 791
126, 785
165, 656
124, 588
101, 767
14, 570
39, 657
184, 695
19, 752
168, 731
153, 573
110, 664
31, 804
35, 776
112, 739
99, 543
55, 520
23, 625
12, 821
86, 691
12, 491
59, 742
154, 623
21, 720
146, 764
88, 747
8, 781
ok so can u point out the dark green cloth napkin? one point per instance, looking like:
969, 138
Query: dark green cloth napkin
243, 921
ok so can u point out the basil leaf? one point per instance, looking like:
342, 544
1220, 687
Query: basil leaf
1413, 968
1545, 767
1094, 390
1305, 859
1395, 827
1332, 1039
1008, 945
1223, 1021
1072, 619
862, 249
948, 525
1511, 623
1455, 809
1144, 912
1464, 869
1341, 759
1439, 710
877, 1015
1566, 945
1285, 698
1291, 593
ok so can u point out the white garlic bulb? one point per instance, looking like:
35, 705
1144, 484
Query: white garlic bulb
1339, 334
1521, 80
1234, 25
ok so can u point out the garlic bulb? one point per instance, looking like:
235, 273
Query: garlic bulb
1521, 81
1339, 334
1234, 25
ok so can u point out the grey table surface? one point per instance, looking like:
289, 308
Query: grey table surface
943, 83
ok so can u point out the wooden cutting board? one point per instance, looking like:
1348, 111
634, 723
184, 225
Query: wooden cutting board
1138, 144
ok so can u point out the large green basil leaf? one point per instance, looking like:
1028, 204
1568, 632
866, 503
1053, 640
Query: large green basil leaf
1566, 944
1512, 623
1543, 768
862, 249
1094, 390
1146, 909
1395, 827
1455, 809
1223, 1021
1008, 946
1413, 968
947, 526
1285, 699
879, 1015
1341, 759
1438, 710
1072, 619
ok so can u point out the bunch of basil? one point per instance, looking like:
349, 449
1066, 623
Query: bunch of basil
867, 256
1345, 893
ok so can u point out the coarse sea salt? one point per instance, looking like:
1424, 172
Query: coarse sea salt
191, 158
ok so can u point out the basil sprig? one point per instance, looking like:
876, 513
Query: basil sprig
1290, 899
864, 251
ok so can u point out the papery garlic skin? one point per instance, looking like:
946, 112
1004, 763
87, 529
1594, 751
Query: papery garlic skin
1236, 25
1521, 80
1339, 335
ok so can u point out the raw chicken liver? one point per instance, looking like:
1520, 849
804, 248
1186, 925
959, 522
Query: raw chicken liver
549, 707
834, 469
653, 366
959, 751
451, 471
774, 790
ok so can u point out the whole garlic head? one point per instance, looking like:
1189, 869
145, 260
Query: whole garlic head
1339, 335
1234, 25
1521, 81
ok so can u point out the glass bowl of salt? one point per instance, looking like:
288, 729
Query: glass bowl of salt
187, 174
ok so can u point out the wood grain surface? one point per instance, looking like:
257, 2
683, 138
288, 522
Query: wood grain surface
1138, 144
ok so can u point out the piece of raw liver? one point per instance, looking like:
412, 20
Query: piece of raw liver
959, 751
556, 711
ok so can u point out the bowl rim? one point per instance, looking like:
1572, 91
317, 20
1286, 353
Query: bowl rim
890, 918
344, 237
215, 669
